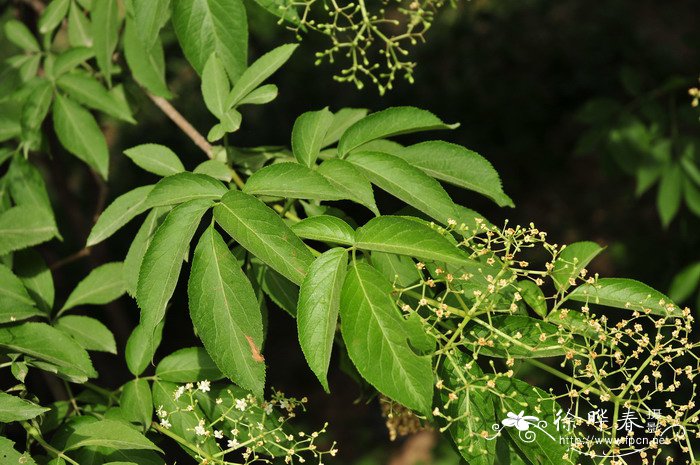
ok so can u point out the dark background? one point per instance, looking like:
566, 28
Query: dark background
514, 74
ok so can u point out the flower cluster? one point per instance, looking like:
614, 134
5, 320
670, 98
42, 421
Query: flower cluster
223, 421
374, 37
496, 319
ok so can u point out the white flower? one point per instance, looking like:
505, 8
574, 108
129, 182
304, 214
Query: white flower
284, 404
204, 386
199, 430
232, 443
219, 401
165, 423
234, 432
268, 409
522, 423
241, 404
179, 392
218, 434
189, 386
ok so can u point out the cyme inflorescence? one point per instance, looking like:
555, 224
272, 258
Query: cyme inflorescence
372, 37
228, 425
628, 374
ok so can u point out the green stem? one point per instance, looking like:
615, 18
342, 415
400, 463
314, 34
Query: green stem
183, 442
34, 434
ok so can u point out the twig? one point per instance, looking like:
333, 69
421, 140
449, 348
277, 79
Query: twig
199, 140
182, 123
71, 258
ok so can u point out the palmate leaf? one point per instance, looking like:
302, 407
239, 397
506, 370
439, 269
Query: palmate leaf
225, 312
377, 340
261, 231
407, 183
318, 307
162, 262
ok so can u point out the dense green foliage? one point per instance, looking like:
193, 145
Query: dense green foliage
429, 306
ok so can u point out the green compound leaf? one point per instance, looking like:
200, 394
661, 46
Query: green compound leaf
88, 332
342, 120
122, 210
161, 265
88, 91
388, 123
36, 277
291, 180
136, 402
63, 355
105, 35
15, 302
457, 165
156, 159
518, 336
471, 405
325, 228
183, 187
308, 135
349, 180
24, 226
215, 86
377, 340
256, 73
108, 433
626, 294
407, 183
207, 26
317, 310
188, 365
226, 313
79, 133
13, 408
403, 236
103, 285
574, 258
261, 231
